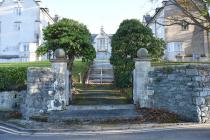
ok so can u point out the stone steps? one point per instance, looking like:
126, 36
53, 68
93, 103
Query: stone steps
101, 72
99, 97
95, 114
105, 76
101, 107
98, 81
99, 101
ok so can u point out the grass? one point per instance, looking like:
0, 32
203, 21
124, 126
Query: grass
27, 64
79, 67
165, 63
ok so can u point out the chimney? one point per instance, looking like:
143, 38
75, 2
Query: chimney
164, 2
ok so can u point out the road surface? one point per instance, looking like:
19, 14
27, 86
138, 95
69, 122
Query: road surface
149, 134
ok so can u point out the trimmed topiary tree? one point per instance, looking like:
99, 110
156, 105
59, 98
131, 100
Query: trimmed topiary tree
70, 35
129, 38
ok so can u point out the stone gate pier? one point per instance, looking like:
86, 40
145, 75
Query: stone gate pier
48, 89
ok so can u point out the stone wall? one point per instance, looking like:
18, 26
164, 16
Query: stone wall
184, 90
11, 100
39, 84
47, 90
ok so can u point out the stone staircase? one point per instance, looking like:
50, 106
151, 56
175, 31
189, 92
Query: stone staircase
96, 114
101, 72
100, 97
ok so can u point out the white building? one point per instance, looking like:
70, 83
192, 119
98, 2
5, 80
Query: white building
102, 44
21, 24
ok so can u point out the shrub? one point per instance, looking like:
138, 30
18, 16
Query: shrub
13, 75
13, 78
129, 38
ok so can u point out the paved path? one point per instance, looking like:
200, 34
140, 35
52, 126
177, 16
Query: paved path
186, 133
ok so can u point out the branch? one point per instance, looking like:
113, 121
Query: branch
190, 15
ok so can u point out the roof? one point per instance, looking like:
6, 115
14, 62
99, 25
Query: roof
147, 18
151, 18
93, 36
44, 9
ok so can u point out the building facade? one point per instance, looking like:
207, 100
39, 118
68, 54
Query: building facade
184, 42
102, 44
21, 25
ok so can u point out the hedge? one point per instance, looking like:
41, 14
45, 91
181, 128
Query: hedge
13, 78
13, 75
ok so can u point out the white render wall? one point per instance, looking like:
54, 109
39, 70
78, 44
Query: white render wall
13, 42
102, 45
157, 29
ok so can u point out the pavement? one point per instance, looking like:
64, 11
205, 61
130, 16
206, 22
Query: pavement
185, 131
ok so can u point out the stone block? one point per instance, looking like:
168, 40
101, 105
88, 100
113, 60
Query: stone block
203, 114
191, 72
206, 89
205, 119
44, 79
204, 93
207, 100
204, 109
150, 80
195, 94
200, 101
150, 92
198, 78
181, 104
190, 84
172, 77
198, 111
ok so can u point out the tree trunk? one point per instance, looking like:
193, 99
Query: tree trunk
70, 63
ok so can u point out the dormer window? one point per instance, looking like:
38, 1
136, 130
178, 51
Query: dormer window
185, 26
18, 8
0, 26
18, 11
17, 26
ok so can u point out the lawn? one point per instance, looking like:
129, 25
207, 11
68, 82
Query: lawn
165, 63
26, 64
79, 67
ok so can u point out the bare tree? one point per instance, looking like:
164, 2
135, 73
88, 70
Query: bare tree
193, 12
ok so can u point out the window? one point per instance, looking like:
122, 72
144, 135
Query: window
0, 26
185, 26
17, 26
175, 47
25, 48
37, 36
18, 11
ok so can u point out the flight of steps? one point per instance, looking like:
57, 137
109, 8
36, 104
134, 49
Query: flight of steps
100, 97
101, 72
96, 114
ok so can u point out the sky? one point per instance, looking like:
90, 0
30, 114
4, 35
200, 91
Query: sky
97, 13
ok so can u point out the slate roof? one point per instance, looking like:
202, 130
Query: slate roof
93, 36
147, 18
